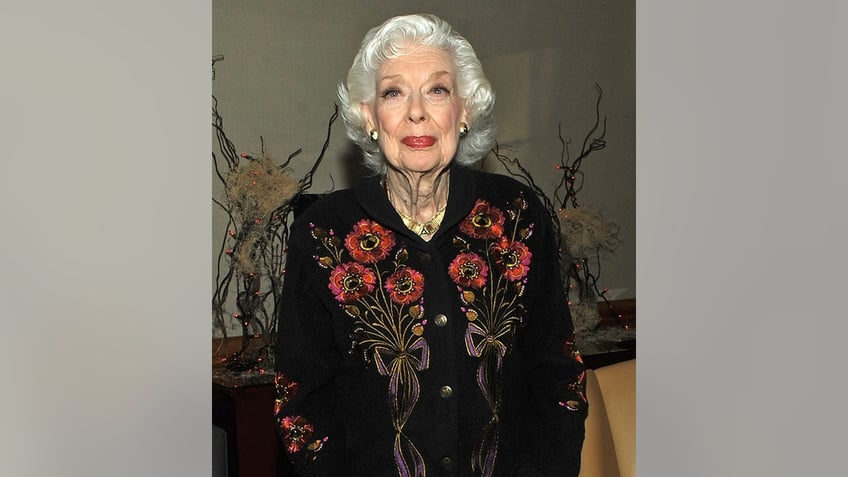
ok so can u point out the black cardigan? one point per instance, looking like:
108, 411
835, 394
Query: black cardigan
398, 356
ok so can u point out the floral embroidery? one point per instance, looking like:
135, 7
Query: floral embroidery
351, 281
484, 221
511, 258
490, 272
384, 297
578, 386
569, 349
369, 242
285, 390
405, 285
296, 432
468, 270
315, 446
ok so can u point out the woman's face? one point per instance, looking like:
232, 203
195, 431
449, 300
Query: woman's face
417, 110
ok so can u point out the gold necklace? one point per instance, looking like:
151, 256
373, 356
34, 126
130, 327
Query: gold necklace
426, 228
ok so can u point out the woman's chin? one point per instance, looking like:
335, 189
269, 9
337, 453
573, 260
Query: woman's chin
420, 163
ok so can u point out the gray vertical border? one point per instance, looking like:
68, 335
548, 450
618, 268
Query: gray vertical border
104, 288
740, 237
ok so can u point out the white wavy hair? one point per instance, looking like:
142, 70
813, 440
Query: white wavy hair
391, 40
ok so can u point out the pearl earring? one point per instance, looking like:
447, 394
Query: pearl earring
463, 129
374, 135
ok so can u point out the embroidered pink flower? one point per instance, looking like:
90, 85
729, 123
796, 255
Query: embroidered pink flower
296, 432
351, 281
369, 242
285, 390
468, 270
405, 285
483, 222
511, 258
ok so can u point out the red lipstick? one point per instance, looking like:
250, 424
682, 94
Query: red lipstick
419, 142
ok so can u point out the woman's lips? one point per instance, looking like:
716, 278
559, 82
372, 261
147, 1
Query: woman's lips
419, 142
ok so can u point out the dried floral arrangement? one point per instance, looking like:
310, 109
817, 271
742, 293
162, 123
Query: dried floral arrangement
584, 235
259, 196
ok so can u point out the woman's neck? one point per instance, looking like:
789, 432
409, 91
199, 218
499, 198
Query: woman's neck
418, 197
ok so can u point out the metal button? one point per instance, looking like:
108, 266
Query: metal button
446, 391
441, 320
446, 462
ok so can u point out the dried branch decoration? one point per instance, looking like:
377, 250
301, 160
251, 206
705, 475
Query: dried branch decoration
582, 233
259, 198
586, 231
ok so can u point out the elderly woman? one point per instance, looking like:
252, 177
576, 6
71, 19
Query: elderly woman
423, 329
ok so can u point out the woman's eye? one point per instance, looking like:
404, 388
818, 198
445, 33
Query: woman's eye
440, 90
390, 93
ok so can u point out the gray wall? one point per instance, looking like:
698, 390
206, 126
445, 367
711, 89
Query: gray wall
283, 60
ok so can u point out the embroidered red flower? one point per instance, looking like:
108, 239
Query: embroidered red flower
285, 390
405, 285
369, 242
511, 258
569, 349
296, 432
468, 270
351, 281
483, 222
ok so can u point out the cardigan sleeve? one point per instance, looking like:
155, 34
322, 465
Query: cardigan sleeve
556, 403
306, 363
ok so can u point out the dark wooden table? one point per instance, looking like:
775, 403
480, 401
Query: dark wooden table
253, 444
611, 354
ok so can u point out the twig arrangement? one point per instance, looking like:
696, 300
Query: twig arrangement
581, 232
259, 197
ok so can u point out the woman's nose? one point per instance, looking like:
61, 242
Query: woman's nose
417, 112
